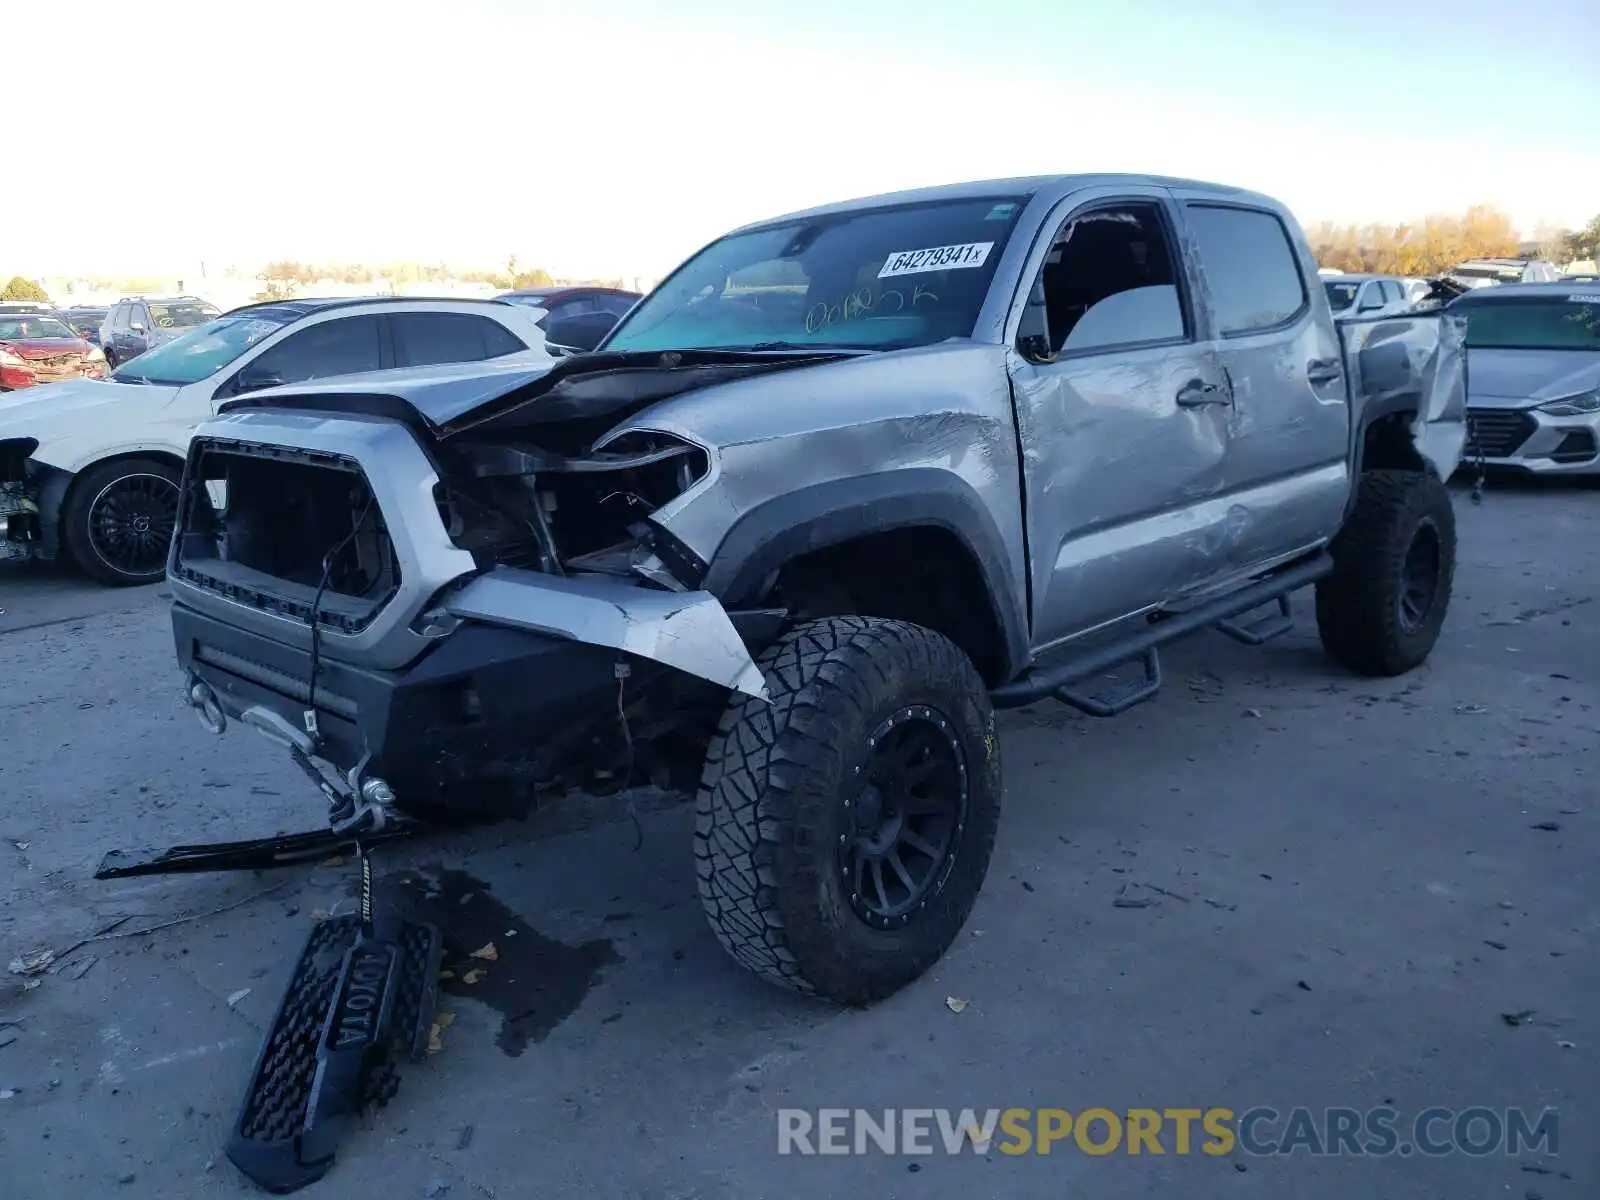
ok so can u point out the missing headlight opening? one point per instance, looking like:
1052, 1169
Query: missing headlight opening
524, 507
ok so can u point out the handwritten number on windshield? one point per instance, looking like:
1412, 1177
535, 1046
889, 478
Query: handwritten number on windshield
862, 304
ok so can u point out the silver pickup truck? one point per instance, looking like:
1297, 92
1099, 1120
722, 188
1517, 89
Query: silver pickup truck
847, 482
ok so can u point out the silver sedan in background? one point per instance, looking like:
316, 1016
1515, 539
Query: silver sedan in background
1533, 376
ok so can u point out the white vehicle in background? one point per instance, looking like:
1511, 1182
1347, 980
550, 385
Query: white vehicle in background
89, 469
1367, 296
1533, 377
1488, 272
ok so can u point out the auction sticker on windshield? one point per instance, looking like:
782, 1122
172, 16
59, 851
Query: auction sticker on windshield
1584, 298
936, 258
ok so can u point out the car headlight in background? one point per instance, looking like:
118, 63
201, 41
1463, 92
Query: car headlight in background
1573, 406
8, 359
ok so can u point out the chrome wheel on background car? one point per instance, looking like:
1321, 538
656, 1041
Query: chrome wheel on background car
120, 518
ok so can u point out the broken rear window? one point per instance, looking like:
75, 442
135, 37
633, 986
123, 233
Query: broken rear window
871, 279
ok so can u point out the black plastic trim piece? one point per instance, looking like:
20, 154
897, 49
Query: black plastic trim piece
353, 1005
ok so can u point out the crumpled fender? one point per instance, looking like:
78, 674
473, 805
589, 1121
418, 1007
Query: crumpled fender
688, 631
1412, 364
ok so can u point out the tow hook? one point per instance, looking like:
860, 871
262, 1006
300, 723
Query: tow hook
207, 707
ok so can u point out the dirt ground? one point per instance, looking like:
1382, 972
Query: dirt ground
1335, 893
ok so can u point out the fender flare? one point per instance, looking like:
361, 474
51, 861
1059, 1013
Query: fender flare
831, 513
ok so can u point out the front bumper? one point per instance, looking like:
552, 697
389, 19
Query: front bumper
20, 532
524, 689
485, 707
1526, 439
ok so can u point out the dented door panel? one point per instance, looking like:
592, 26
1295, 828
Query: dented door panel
1120, 481
1287, 473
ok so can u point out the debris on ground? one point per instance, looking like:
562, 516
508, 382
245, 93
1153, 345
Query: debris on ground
1495, 945
238, 996
1303, 986
1567, 1045
474, 975
23, 846
486, 952
1549, 826
7, 1036
36, 963
1470, 710
82, 967
435, 1189
1517, 1018
1123, 900
465, 1139
954, 1004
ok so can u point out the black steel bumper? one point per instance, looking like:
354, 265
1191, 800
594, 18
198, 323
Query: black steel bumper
471, 724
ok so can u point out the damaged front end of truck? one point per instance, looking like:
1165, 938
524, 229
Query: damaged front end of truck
456, 590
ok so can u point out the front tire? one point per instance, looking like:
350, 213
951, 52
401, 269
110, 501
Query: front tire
842, 833
1380, 612
119, 520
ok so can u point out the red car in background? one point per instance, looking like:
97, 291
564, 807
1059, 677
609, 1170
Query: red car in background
38, 349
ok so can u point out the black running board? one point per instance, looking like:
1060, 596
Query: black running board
1057, 678
354, 1006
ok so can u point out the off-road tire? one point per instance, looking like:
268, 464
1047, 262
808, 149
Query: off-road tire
76, 537
770, 806
1359, 606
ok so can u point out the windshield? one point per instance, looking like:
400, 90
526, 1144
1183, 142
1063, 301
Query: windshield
202, 352
18, 328
1568, 323
1341, 295
182, 314
873, 279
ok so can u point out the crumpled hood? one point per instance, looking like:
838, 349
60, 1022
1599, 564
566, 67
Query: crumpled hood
47, 412
1525, 378
585, 392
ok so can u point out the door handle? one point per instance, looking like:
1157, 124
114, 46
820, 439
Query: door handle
1324, 370
1196, 394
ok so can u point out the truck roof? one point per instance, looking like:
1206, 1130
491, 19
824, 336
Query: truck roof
1051, 187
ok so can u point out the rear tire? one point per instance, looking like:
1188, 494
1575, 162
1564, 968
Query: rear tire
843, 832
1380, 612
119, 520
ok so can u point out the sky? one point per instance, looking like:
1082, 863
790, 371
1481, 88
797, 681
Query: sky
616, 137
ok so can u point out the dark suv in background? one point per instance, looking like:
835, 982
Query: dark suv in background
86, 321
139, 323
584, 314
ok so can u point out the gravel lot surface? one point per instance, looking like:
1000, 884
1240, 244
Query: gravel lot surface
1348, 884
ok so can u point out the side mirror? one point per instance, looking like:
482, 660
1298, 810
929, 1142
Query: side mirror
583, 332
253, 380
137, 326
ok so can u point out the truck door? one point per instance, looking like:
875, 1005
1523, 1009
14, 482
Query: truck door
1121, 410
1287, 473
